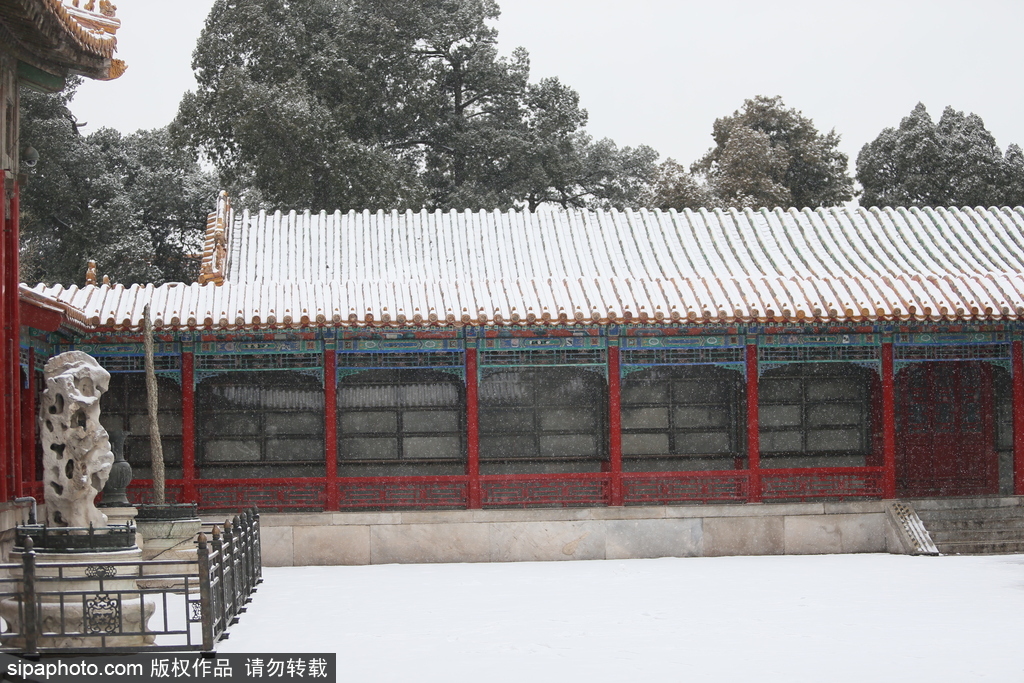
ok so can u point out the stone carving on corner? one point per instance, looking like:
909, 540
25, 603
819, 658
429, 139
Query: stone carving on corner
76, 448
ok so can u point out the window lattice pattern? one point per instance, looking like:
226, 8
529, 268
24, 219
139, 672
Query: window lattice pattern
545, 357
681, 411
394, 359
702, 356
952, 352
545, 413
393, 416
819, 354
124, 409
115, 364
261, 361
260, 424
815, 409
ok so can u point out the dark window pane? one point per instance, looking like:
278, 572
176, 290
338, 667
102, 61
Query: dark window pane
432, 447
644, 444
562, 390
645, 418
294, 423
644, 392
779, 416
567, 419
369, 449
426, 395
230, 451
295, 449
113, 400
774, 390
834, 414
507, 447
701, 391
777, 442
506, 389
374, 423
367, 396
568, 445
230, 423
833, 388
234, 397
170, 424
691, 443
431, 421
696, 417
503, 420
834, 440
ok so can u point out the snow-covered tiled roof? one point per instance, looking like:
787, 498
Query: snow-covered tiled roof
296, 269
75, 35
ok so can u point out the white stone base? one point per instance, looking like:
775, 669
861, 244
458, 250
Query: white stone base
344, 538
135, 609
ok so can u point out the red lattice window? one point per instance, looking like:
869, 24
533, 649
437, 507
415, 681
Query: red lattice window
673, 417
552, 418
260, 424
815, 410
123, 409
401, 422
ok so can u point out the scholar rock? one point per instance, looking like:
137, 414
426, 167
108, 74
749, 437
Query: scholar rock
76, 448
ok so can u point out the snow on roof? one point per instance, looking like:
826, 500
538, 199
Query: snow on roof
559, 267
69, 34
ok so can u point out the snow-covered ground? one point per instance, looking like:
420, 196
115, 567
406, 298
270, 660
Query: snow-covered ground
793, 619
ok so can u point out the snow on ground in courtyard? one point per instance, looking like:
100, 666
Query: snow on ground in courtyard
810, 618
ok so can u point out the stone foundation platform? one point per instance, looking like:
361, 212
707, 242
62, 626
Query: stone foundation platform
356, 538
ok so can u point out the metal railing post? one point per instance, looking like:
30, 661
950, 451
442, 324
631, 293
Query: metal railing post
218, 568
258, 557
247, 553
28, 580
205, 595
238, 582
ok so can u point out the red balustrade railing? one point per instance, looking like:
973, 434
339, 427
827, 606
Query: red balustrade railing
666, 488
823, 482
545, 490
385, 493
516, 490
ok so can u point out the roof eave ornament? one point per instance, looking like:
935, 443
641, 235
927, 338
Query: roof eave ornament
215, 246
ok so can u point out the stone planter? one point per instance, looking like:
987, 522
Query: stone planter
169, 532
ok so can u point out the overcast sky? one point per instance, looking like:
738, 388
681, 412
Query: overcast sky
659, 72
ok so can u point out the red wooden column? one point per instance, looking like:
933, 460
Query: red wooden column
331, 424
1018, 417
11, 419
28, 425
13, 317
753, 426
9, 264
188, 426
888, 422
473, 496
615, 422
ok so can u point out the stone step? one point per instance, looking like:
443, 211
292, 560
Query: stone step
969, 524
964, 514
979, 535
974, 548
924, 505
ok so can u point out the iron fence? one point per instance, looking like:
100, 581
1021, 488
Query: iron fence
121, 606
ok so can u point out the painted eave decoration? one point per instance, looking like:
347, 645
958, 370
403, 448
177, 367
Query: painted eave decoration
292, 270
63, 36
